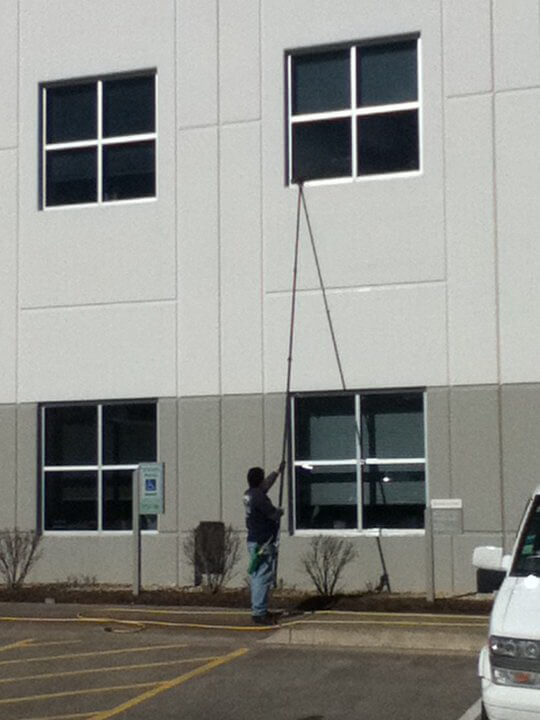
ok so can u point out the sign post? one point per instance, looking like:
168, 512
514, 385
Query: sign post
442, 517
147, 499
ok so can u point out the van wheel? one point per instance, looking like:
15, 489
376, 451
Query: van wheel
483, 713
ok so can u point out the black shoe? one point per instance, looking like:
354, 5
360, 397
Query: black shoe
263, 619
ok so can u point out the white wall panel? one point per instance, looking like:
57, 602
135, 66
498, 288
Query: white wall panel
239, 60
516, 26
197, 62
109, 253
467, 46
387, 337
471, 241
121, 351
8, 274
198, 263
518, 184
371, 231
9, 59
240, 259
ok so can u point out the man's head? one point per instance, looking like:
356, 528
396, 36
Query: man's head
255, 476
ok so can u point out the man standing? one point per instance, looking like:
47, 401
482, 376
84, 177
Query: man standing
262, 522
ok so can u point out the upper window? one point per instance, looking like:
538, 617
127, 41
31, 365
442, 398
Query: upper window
354, 111
359, 461
89, 453
99, 140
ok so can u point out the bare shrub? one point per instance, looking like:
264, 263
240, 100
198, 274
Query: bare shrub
325, 560
19, 551
213, 551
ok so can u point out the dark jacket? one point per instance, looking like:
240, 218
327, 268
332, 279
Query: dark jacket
262, 518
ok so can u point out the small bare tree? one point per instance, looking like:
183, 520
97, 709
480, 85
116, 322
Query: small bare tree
213, 552
19, 551
325, 560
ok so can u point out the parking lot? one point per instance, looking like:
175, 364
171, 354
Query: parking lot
58, 671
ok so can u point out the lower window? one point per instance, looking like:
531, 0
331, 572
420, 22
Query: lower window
88, 454
359, 461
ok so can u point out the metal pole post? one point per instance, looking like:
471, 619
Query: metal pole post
136, 528
430, 569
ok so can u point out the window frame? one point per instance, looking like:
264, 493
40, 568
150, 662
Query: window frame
353, 112
99, 143
359, 464
100, 468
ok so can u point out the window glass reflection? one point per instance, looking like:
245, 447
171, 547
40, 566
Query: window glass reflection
321, 150
129, 106
321, 82
71, 500
326, 497
71, 435
71, 177
71, 113
388, 143
387, 73
129, 171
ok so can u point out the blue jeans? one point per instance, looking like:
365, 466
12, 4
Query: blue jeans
261, 580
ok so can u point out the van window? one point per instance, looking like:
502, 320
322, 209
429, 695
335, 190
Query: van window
527, 560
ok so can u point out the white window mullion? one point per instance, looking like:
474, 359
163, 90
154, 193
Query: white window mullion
42, 469
420, 103
44, 147
289, 125
100, 144
100, 466
354, 124
359, 463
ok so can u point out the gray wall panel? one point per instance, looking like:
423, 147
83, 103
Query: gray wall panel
167, 445
199, 467
8, 466
27, 466
437, 411
242, 418
475, 450
521, 449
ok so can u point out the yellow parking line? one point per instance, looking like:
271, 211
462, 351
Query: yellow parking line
55, 642
73, 693
18, 644
115, 668
162, 687
69, 656
172, 611
71, 716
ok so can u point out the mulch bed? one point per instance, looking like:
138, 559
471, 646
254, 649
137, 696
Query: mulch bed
231, 598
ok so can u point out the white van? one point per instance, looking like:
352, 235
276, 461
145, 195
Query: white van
509, 665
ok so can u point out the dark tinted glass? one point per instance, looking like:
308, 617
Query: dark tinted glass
71, 501
325, 428
394, 496
321, 150
392, 426
388, 143
387, 73
321, 82
71, 113
129, 171
129, 106
528, 556
129, 434
117, 506
71, 435
71, 176
326, 498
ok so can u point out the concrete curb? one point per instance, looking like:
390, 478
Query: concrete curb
469, 639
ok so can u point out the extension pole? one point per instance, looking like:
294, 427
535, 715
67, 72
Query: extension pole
287, 422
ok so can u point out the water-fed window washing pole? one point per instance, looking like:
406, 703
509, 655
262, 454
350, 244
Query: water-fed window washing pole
286, 448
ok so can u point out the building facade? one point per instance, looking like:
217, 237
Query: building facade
151, 155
